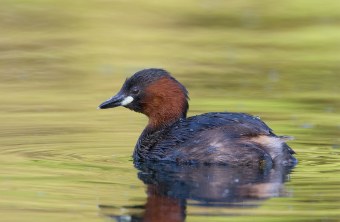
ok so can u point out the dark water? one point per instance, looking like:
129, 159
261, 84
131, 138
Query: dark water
171, 189
61, 159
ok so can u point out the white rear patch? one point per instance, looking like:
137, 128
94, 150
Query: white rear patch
127, 100
216, 144
273, 145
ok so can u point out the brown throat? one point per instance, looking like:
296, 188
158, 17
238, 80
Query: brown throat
164, 103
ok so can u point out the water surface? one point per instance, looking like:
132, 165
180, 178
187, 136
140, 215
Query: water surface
61, 159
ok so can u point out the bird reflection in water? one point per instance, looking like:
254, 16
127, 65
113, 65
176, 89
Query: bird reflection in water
171, 187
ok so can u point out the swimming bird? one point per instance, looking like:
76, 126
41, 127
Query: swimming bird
228, 138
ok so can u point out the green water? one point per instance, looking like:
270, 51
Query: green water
63, 160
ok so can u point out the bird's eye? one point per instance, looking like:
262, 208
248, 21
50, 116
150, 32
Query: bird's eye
135, 91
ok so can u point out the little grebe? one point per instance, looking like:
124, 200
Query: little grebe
210, 138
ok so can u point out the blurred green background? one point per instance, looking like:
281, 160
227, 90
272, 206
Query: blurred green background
60, 157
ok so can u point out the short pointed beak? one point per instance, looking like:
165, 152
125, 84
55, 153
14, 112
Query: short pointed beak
113, 101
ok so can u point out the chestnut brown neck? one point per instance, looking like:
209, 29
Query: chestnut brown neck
165, 102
